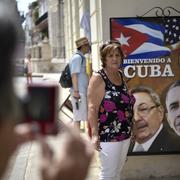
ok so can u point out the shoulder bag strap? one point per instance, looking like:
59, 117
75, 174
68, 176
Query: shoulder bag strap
80, 56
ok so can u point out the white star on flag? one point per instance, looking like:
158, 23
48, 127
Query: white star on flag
140, 38
123, 40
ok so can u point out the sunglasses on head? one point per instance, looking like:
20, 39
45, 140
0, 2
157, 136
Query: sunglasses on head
110, 42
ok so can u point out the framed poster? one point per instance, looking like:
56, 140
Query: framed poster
151, 46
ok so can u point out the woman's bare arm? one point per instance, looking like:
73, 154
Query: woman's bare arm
96, 90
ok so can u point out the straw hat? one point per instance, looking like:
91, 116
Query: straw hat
81, 41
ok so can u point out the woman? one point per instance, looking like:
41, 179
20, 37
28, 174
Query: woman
110, 111
28, 68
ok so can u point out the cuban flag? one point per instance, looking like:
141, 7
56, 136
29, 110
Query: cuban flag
139, 39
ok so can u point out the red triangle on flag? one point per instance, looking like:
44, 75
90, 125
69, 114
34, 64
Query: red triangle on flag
135, 38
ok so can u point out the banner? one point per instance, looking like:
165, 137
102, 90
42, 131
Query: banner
151, 46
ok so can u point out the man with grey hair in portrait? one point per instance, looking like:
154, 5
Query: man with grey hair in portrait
150, 133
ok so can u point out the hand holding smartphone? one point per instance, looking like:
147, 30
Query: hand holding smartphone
77, 103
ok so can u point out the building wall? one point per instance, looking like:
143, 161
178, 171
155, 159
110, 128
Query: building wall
73, 12
56, 30
130, 8
137, 167
97, 28
68, 26
43, 7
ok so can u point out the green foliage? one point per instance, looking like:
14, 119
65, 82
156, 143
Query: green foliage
34, 4
36, 14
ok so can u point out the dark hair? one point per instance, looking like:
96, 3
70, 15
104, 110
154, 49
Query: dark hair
29, 56
8, 42
173, 85
79, 48
107, 47
145, 89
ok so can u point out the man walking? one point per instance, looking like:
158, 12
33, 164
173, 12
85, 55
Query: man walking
79, 81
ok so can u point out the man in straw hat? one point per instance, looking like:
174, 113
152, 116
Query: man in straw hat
79, 81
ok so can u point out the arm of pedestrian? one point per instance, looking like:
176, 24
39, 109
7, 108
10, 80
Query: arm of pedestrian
94, 101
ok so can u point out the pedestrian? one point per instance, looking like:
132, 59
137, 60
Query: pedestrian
28, 68
110, 112
80, 81
75, 153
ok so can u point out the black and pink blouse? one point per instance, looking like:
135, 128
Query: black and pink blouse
115, 112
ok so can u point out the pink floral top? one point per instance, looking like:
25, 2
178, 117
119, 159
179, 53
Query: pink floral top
115, 112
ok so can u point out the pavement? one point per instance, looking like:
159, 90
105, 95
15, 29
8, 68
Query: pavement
25, 161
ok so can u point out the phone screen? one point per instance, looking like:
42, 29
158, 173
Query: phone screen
39, 106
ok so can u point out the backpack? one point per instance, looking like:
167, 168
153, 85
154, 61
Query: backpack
65, 78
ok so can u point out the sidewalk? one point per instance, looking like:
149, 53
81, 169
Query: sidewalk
48, 76
26, 162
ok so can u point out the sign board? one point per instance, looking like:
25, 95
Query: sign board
151, 46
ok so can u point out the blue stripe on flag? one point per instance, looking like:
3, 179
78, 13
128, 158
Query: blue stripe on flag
125, 22
154, 40
154, 46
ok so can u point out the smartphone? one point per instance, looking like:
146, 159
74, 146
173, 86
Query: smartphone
77, 105
41, 107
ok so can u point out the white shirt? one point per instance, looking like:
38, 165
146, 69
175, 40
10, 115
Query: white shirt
28, 64
148, 143
78, 65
